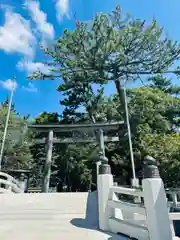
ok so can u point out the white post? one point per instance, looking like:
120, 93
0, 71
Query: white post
22, 183
105, 183
7, 121
135, 183
97, 168
9, 187
100, 137
175, 201
101, 141
155, 203
129, 131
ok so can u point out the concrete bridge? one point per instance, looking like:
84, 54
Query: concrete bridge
51, 216
95, 215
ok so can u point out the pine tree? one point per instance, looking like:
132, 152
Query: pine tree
114, 48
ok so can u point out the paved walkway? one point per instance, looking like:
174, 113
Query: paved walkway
50, 216
63, 230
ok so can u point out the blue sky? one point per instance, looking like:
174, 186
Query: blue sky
26, 23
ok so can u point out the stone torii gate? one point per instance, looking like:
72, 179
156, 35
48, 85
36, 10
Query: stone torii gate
97, 130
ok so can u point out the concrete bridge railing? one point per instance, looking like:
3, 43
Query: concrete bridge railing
131, 218
149, 219
8, 184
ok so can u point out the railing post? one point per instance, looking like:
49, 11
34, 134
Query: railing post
135, 184
100, 138
155, 202
175, 201
23, 182
97, 168
9, 187
105, 183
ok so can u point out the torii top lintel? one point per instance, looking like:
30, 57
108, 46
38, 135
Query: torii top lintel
75, 127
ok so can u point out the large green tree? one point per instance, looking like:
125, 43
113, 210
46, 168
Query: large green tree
112, 47
118, 48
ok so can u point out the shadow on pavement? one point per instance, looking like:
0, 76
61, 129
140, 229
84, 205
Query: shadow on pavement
91, 220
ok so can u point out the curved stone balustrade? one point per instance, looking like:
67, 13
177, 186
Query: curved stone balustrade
8, 184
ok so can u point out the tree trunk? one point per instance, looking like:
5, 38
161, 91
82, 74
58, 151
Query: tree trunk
121, 96
120, 92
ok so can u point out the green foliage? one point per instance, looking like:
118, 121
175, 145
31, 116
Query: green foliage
80, 96
5, 103
113, 47
47, 118
152, 110
17, 153
164, 85
74, 167
154, 116
165, 148
70, 163
38, 151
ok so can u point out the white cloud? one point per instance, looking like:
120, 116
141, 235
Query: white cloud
40, 18
30, 88
31, 67
16, 35
9, 84
62, 9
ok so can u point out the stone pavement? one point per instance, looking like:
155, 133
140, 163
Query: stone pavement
51, 216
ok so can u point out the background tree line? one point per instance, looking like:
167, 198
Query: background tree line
118, 48
154, 118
